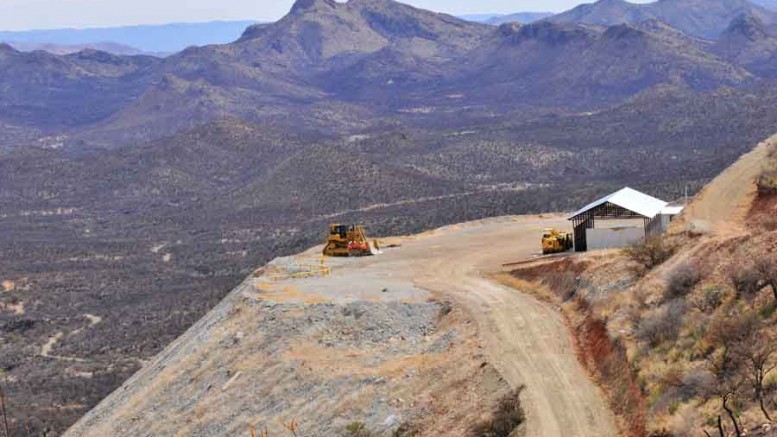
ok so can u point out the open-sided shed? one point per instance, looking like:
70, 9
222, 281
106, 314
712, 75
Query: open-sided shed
626, 204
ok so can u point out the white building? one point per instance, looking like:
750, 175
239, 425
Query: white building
621, 219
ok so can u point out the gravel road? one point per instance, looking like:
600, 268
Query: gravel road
527, 341
372, 320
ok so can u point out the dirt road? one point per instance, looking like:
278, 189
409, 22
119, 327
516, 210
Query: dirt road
526, 340
723, 204
292, 361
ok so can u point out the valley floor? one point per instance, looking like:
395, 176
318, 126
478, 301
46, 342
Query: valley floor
224, 364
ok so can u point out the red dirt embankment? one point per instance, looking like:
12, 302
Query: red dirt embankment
604, 358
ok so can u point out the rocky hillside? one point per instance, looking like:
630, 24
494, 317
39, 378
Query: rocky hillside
691, 315
55, 93
548, 63
749, 42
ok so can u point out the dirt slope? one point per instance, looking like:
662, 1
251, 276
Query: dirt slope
723, 204
191, 386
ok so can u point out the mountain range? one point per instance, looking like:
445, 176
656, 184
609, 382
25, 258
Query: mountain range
701, 18
162, 38
497, 19
371, 59
64, 49
142, 189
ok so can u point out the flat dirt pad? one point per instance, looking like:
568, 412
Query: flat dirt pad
523, 340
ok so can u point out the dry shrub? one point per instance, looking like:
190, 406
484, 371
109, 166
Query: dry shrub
697, 383
358, 429
750, 279
407, 429
663, 325
506, 418
767, 181
746, 280
682, 280
769, 223
730, 329
710, 299
767, 269
649, 254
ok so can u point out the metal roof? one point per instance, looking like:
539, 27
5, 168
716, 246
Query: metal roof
630, 199
673, 210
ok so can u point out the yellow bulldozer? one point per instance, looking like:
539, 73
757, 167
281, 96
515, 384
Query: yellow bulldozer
556, 241
349, 240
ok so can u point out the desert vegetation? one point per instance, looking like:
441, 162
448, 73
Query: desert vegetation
767, 182
649, 254
124, 194
696, 325
187, 218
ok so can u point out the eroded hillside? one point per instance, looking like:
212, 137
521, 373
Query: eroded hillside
693, 314
412, 342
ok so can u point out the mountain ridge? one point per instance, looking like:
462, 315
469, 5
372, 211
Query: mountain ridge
148, 38
701, 18
368, 59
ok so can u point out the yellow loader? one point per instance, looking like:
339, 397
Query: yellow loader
349, 240
556, 241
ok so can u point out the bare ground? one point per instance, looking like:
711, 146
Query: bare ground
372, 342
723, 204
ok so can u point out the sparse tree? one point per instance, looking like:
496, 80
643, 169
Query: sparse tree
750, 279
767, 269
729, 380
746, 281
649, 254
758, 354
726, 364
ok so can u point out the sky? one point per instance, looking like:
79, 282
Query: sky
51, 14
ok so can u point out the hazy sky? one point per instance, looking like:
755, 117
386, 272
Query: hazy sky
45, 14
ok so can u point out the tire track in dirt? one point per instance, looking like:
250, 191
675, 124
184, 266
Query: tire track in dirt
527, 341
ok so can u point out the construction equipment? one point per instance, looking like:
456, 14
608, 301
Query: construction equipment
556, 241
349, 240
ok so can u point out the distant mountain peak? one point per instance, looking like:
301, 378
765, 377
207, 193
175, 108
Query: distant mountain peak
623, 31
6, 49
547, 32
701, 18
317, 31
748, 26
305, 5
